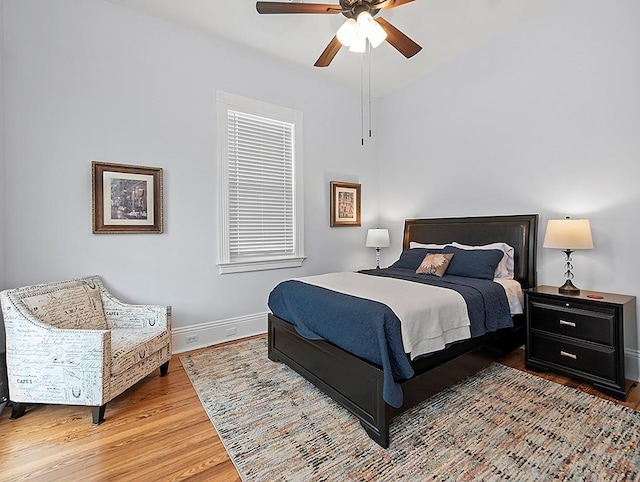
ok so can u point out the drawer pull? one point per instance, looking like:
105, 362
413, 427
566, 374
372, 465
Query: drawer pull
568, 355
568, 323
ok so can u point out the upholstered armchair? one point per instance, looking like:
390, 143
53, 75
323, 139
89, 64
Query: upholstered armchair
74, 343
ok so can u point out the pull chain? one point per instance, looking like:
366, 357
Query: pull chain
362, 99
365, 90
369, 81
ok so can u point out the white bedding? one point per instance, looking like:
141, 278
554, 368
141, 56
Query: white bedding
515, 296
430, 316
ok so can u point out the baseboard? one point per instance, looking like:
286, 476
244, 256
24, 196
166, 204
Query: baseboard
187, 338
632, 364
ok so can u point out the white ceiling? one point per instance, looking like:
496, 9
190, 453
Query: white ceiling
444, 29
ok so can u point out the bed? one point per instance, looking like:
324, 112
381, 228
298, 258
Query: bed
359, 385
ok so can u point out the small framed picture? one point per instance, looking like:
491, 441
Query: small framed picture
126, 199
345, 204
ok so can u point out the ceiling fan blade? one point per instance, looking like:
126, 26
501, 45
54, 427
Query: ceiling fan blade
287, 7
400, 41
329, 53
387, 4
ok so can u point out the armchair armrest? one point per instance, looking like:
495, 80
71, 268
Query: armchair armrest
124, 315
46, 363
49, 342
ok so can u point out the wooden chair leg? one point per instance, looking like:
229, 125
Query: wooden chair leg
98, 414
17, 410
164, 369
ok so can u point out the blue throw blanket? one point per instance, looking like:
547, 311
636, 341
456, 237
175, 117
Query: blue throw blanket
371, 330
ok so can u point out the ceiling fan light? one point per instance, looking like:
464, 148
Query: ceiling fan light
376, 35
348, 32
364, 22
359, 45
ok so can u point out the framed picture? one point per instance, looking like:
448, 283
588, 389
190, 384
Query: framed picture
126, 199
345, 204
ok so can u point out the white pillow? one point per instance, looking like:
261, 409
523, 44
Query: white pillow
506, 265
414, 245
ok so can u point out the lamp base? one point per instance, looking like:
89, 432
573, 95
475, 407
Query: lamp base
568, 288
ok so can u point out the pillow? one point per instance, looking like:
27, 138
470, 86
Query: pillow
435, 264
473, 263
411, 258
505, 268
413, 245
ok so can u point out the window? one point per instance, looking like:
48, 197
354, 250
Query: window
260, 205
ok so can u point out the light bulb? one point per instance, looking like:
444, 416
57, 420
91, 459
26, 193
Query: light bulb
348, 32
371, 29
376, 34
359, 44
364, 22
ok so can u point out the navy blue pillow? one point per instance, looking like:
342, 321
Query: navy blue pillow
411, 258
473, 263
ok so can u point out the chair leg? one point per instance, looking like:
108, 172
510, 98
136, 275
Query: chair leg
17, 410
98, 414
164, 369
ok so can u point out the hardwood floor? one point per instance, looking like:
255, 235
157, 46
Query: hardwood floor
156, 431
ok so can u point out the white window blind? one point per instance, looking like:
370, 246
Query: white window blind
260, 166
261, 208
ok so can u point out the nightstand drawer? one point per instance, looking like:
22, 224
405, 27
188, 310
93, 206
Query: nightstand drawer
574, 321
591, 359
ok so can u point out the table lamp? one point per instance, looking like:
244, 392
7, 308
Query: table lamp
378, 238
568, 235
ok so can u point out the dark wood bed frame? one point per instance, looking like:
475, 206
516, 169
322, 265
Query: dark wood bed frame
357, 384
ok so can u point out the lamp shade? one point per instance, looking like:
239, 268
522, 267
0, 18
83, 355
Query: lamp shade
348, 32
359, 44
371, 29
568, 234
378, 238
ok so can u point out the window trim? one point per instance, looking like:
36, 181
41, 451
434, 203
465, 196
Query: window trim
226, 102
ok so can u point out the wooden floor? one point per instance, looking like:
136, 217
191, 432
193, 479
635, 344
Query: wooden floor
155, 431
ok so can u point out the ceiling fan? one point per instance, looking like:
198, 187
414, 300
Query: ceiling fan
359, 28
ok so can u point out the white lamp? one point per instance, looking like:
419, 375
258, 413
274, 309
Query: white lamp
359, 44
568, 234
371, 29
378, 238
348, 32
354, 33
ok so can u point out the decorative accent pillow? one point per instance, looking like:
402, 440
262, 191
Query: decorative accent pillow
505, 268
411, 258
435, 264
473, 263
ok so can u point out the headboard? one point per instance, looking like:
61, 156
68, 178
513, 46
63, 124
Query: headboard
519, 231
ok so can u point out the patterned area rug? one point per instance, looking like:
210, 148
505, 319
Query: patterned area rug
500, 424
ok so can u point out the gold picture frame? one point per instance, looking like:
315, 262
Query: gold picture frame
345, 204
126, 199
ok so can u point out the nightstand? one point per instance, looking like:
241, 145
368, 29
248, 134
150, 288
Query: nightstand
579, 335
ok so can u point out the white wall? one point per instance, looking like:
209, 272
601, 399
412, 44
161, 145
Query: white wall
545, 119
89, 80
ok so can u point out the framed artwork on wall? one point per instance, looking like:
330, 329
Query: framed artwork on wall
126, 199
345, 204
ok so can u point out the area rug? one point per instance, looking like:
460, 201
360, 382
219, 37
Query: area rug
499, 424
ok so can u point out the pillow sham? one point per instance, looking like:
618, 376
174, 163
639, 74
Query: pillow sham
411, 258
435, 264
413, 245
473, 263
505, 268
